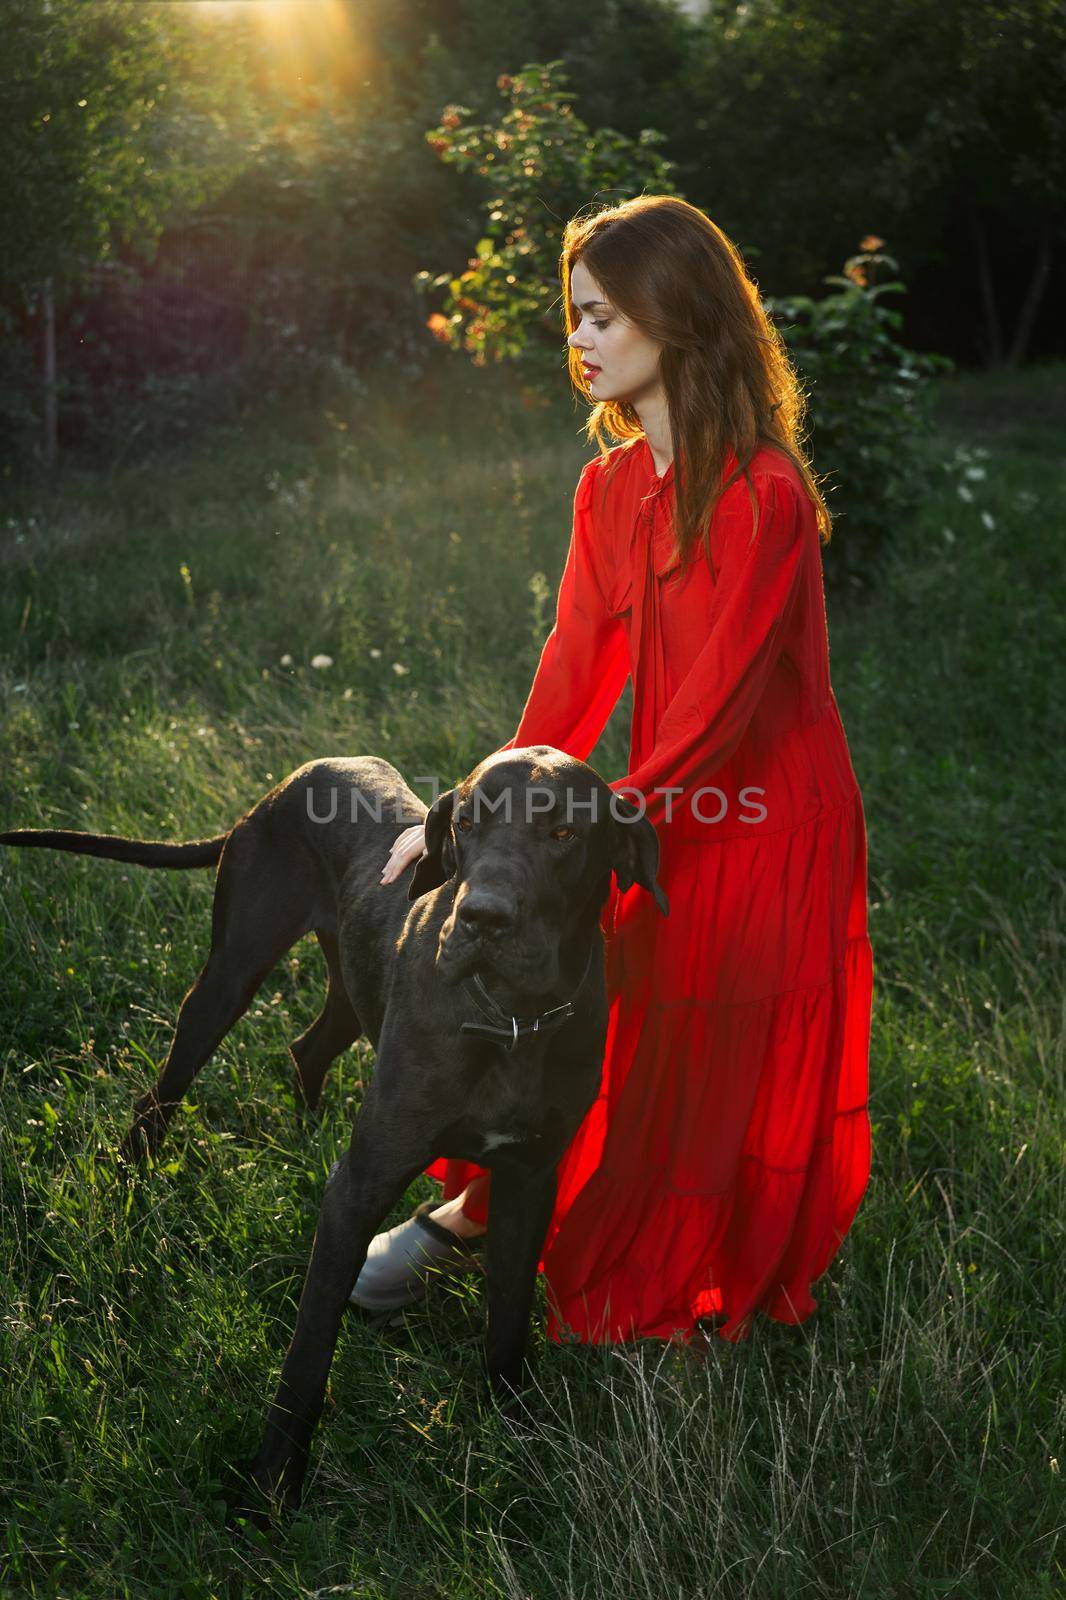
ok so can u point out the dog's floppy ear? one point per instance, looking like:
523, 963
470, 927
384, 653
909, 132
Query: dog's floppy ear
634, 851
437, 863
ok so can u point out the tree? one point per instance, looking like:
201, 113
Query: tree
110, 126
820, 118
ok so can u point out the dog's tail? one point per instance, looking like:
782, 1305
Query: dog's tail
142, 852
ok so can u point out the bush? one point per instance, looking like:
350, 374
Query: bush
868, 409
545, 165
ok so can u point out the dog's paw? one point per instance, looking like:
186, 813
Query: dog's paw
142, 1140
513, 1409
517, 1422
131, 1154
307, 1096
253, 1510
247, 1519
265, 1490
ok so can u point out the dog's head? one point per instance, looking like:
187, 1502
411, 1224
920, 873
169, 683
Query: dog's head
531, 839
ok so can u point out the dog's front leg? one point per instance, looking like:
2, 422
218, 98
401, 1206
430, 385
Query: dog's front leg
520, 1209
358, 1194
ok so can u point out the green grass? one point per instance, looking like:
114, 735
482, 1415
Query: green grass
906, 1441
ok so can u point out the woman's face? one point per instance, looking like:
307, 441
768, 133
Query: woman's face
621, 362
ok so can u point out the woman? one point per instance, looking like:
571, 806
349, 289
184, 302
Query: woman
725, 1157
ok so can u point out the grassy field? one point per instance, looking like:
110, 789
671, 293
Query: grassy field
159, 624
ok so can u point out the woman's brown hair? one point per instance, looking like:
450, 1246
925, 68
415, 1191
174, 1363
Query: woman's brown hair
729, 382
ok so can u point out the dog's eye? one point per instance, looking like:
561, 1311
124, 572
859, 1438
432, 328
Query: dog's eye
463, 823
564, 831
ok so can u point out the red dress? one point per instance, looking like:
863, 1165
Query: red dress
723, 1161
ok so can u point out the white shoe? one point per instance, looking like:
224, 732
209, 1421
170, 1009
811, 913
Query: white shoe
401, 1263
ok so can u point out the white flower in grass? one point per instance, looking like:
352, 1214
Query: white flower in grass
949, 536
375, 652
399, 668
976, 473
964, 493
286, 660
318, 662
988, 519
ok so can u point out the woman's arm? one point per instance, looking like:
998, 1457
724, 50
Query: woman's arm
585, 660
758, 580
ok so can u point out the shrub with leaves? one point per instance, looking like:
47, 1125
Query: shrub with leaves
868, 414
543, 166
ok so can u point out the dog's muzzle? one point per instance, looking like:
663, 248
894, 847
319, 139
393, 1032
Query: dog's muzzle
487, 927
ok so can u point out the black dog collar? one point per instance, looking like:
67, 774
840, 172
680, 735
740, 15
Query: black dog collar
506, 1030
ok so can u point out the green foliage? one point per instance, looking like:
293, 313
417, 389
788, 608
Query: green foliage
632, 79
291, 283
543, 166
927, 121
109, 132
116, 125
868, 408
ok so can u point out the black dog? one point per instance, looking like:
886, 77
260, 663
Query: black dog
485, 1001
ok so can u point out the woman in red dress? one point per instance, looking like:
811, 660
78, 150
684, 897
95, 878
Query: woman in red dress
721, 1165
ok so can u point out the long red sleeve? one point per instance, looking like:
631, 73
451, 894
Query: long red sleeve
585, 661
757, 581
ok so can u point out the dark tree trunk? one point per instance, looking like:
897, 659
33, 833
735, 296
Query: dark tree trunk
991, 340
1031, 304
48, 304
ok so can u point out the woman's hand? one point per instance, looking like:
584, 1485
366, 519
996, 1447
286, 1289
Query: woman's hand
407, 847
